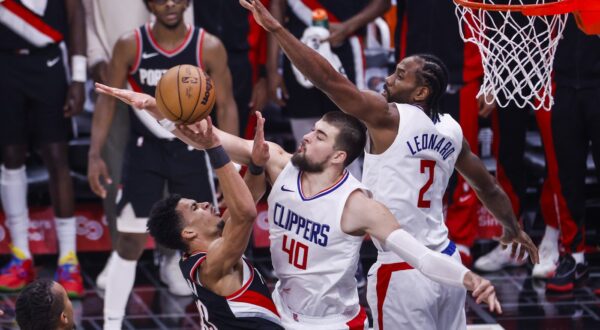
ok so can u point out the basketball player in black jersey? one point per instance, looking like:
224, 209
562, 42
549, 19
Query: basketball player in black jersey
229, 292
154, 158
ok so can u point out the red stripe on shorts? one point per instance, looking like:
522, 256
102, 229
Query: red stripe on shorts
384, 274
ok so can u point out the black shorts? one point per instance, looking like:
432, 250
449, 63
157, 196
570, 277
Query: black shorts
33, 91
152, 163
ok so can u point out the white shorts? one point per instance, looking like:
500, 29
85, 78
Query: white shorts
401, 297
294, 321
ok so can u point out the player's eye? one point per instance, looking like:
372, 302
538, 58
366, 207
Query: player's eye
194, 206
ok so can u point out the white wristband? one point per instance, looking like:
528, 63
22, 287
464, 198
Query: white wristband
78, 68
167, 124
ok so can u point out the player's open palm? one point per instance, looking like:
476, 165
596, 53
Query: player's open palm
137, 100
261, 14
483, 291
201, 133
260, 149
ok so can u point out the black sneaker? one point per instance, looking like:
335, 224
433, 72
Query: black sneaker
568, 273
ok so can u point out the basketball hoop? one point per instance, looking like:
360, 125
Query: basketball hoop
517, 43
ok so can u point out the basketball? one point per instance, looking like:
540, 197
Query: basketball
185, 94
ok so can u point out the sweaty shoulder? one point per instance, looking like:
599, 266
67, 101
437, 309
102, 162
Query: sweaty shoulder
214, 53
126, 46
211, 42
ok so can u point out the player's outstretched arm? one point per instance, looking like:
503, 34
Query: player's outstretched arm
223, 254
239, 149
123, 56
215, 60
365, 215
370, 107
495, 199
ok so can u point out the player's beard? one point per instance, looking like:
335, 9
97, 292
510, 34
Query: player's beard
221, 225
303, 164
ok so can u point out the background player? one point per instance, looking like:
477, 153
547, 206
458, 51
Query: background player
314, 191
38, 101
398, 153
229, 292
154, 158
44, 304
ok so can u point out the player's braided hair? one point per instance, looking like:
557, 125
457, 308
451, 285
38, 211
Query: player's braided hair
38, 307
434, 75
165, 223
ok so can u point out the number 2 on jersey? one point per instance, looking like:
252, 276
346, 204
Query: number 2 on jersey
427, 167
297, 252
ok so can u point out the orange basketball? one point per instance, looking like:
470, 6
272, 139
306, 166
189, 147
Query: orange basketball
185, 94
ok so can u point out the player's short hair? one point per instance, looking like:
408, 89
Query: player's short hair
38, 307
434, 75
166, 223
352, 136
147, 5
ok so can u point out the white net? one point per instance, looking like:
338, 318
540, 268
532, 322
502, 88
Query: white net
517, 52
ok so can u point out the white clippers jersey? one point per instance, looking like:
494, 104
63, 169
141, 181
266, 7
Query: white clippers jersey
411, 176
314, 260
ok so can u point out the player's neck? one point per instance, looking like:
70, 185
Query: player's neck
169, 38
314, 183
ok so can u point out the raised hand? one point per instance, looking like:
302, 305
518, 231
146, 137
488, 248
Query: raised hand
483, 291
137, 100
261, 14
201, 133
260, 149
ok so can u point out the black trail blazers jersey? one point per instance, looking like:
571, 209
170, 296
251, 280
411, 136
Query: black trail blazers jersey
152, 61
250, 307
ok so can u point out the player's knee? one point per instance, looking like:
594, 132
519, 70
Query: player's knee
130, 246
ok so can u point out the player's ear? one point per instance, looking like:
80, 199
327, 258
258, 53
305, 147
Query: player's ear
64, 320
421, 94
339, 157
188, 234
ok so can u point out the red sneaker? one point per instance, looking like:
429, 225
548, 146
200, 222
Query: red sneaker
16, 274
68, 274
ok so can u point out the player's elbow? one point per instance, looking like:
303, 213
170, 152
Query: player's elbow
248, 213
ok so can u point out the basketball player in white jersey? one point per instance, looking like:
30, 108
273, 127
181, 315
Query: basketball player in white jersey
411, 153
318, 216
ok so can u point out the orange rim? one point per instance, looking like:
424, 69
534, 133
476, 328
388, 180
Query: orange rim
553, 8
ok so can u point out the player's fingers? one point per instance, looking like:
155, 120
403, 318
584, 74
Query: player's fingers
97, 187
478, 289
485, 294
522, 252
513, 252
534, 254
499, 306
209, 126
246, 4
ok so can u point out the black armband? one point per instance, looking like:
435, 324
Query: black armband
218, 157
255, 169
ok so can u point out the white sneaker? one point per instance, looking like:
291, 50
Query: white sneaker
102, 277
170, 274
497, 259
548, 260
